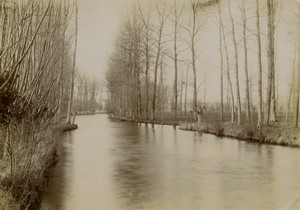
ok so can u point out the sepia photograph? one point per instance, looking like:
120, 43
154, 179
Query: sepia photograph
149, 104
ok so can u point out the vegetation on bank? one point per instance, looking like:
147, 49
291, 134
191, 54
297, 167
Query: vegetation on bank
159, 41
7, 201
37, 67
275, 135
38, 41
279, 133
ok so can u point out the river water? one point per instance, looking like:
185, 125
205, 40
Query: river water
111, 165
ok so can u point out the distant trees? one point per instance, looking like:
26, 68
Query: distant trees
173, 29
87, 95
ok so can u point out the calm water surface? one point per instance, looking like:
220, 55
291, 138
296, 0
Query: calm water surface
111, 165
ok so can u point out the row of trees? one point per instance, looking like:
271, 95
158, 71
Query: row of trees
88, 95
37, 65
160, 39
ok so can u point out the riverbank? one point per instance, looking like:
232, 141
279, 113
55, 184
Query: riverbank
22, 188
159, 120
273, 134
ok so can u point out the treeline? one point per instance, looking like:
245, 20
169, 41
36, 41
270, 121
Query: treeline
37, 60
159, 42
88, 95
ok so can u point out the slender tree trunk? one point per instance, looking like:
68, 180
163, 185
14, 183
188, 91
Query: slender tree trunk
221, 63
288, 105
181, 93
271, 61
259, 85
237, 85
175, 60
161, 92
73, 67
147, 80
155, 84
228, 74
155, 72
145, 17
186, 85
297, 89
247, 89
194, 63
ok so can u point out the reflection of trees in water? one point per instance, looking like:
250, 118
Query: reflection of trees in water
60, 175
131, 175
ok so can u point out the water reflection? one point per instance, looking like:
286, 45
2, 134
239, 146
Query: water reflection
130, 162
114, 165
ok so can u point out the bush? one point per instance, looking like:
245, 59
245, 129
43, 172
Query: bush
249, 131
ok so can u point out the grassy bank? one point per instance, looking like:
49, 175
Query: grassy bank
24, 172
159, 120
279, 133
7, 201
274, 134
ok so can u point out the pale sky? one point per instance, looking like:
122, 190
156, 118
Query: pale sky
99, 21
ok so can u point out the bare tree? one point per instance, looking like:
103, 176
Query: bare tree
196, 7
270, 104
145, 18
221, 62
292, 87
236, 67
259, 85
73, 66
177, 16
228, 73
297, 89
245, 43
186, 86
162, 18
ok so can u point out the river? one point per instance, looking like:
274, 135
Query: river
112, 165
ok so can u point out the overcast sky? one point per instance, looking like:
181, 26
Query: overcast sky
99, 21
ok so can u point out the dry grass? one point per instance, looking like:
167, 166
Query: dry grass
279, 133
30, 152
7, 202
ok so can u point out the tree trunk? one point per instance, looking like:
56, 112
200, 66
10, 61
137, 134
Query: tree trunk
260, 101
236, 68
247, 89
194, 63
147, 81
228, 76
221, 63
181, 93
288, 105
161, 92
186, 85
271, 62
155, 72
175, 60
73, 67
296, 118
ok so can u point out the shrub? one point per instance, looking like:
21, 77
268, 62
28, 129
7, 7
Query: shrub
220, 130
249, 131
